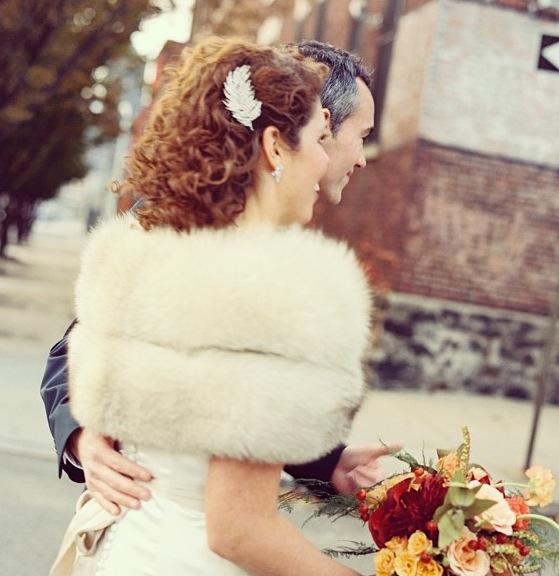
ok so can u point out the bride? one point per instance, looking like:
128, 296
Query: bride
218, 340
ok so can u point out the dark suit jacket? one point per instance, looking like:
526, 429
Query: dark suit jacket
54, 391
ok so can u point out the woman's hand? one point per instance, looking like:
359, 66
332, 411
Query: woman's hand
244, 525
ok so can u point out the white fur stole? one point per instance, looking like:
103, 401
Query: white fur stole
243, 343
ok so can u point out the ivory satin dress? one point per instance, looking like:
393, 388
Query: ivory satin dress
167, 535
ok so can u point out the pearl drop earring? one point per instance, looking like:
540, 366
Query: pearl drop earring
278, 172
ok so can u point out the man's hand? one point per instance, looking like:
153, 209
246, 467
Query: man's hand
358, 467
109, 475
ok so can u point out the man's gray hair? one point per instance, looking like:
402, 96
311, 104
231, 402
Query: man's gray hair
339, 93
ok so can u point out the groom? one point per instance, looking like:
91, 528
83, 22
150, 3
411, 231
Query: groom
85, 456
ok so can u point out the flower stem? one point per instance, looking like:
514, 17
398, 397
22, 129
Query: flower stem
514, 484
541, 518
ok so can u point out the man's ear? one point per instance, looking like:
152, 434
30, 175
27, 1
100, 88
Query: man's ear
327, 117
271, 146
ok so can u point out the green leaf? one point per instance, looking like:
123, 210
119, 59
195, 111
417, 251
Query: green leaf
459, 478
441, 510
463, 457
450, 527
464, 450
405, 457
441, 452
478, 507
461, 497
354, 549
473, 489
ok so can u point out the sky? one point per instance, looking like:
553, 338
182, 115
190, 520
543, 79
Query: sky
169, 25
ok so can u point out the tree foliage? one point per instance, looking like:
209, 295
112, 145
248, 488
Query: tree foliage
58, 92
239, 18
50, 49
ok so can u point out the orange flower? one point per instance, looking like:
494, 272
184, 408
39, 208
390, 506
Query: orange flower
447, 465
405, 564
384, 562
518, 505
397, 544
542, 486
418, 543
431, 568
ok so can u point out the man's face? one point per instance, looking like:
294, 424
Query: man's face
345, 149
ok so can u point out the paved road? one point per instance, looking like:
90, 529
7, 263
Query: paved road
36, 301
35, 508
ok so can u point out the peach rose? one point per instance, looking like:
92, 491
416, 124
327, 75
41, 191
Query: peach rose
542, 486
477, 473
418, 543
384, 562
431, 568
405, 564
463, 561
500, 516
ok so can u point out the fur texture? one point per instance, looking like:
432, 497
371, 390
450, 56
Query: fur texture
239, 343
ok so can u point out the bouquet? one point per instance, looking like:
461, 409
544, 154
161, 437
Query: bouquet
450, 517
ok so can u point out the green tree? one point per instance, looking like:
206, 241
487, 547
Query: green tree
56, 142
239, 17
57, 94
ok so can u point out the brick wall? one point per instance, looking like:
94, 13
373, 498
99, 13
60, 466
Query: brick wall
450, 224
462, 222
411, 55
373, 213
483, 91
482, 229
464, 74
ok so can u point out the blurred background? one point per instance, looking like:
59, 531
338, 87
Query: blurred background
456, 214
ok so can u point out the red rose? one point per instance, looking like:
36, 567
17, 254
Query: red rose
406, 509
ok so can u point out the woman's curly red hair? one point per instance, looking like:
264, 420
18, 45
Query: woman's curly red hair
194, 162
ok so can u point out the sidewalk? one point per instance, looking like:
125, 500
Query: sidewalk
36, 301
36, 308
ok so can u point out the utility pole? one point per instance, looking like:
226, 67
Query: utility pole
544, 377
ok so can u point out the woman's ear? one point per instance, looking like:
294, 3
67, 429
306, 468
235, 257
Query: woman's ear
272, 146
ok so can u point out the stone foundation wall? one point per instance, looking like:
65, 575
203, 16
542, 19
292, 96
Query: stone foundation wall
424, 343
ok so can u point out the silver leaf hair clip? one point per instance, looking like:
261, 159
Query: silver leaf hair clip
239, 96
